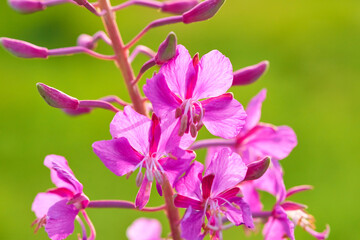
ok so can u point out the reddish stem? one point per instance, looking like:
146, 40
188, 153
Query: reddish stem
121, 56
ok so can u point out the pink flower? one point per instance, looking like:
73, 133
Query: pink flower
144, 229
181, 84
138, 143
286, 215
57, 208
215, 195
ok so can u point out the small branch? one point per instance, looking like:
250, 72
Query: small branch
115, 99
145, 3
84, 234
122, 204
97, 104
149, 64
101, 35
90, 224
264, 214
213, 143
78, 49
156, 23
141, 49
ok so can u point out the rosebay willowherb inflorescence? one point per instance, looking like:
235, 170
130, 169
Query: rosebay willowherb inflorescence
154, 136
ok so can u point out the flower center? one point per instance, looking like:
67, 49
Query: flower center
191, 114
153, 169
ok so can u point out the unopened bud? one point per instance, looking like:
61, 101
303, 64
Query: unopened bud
23, 49
193, 130
178, 6
250, 74
56, 98
87, 41
196, 59
257, 169
178, 112
202, 11
27, 6
167, 49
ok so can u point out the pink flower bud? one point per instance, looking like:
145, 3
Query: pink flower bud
257, 169
27, 6
86, 41
167, 49
178, 6
202, 11
250, 74
23, 49
56, 98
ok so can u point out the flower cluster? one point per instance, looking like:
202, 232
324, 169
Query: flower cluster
156, 137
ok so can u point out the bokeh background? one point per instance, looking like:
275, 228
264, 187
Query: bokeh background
313, 86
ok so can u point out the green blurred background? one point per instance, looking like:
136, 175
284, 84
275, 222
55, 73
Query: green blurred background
313, 86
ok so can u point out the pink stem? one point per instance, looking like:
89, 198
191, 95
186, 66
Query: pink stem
145, 3
101, 35
90, 224
51, 3
98, 104
264, 214
84, 234
121, 204
149, 64
78, 49
212, 143
141, 49
156, 23
115, 99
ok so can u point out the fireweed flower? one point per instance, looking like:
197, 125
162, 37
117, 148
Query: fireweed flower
182, 83
215, 195
57, 208
286, 215
138, 143
144, 229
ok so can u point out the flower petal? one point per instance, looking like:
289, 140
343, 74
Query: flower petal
189, 185
229, 170
181, 201
175, 166
175, 71
117, 155
133, 126
143, 195
268, 140
224, 116
144, 229
241, 214
319, 235
57, 180
215, 75
191, 224
251, 196
253, 110
279, 226
163, 100
42, 203
60, 221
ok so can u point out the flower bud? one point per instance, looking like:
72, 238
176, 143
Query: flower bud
77, 112
23, 49
86, 41
56, 98
257, 169
167, 49
178, 6
27, 6
202, 11
250, 74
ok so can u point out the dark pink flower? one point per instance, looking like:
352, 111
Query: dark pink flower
181, 85
141, 143
57, 208
215, 195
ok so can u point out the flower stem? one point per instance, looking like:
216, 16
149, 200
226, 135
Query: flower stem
171, 211
121, 56
91, 225
121, 204
213, 143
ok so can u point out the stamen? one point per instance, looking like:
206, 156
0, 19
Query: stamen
193, 130
139, 179
178, 112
